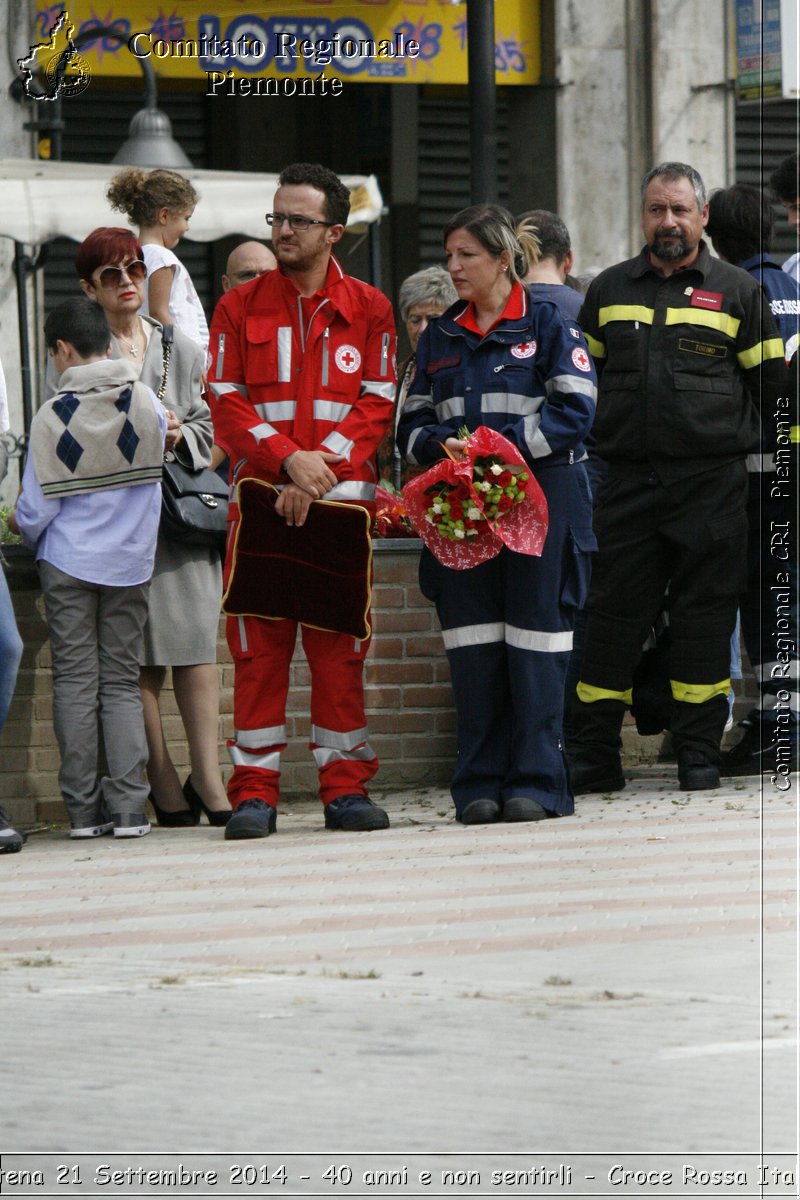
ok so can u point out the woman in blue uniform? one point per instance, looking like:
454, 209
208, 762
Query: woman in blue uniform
496, 359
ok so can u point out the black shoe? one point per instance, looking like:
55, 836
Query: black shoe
179, 819
10, 840
354, 814
216, 816
481, 812
695, 772
758, 752
523, 808
586, 777
252, 819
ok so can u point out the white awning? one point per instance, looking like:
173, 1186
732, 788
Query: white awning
41, 200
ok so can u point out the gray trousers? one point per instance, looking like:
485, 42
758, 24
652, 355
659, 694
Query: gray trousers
96, 643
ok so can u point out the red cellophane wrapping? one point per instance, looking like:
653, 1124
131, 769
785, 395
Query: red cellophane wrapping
522, 529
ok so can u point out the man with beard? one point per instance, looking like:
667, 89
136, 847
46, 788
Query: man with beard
303, 380
684, 346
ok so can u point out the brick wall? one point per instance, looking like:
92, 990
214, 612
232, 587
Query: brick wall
409, 701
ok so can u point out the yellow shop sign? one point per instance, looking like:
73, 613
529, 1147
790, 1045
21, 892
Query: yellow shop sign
385, 41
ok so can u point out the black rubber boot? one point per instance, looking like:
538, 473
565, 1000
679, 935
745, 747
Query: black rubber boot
593, 754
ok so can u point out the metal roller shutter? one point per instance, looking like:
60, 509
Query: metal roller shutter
765, 134
444, 166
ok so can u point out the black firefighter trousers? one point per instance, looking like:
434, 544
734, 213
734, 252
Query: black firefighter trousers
689, 536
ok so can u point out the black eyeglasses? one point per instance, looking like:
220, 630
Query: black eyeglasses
295, 222
111, 277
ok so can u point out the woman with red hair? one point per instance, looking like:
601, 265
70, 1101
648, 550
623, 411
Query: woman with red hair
186, 587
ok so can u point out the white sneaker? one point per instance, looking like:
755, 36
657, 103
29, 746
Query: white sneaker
91, 831
131, 825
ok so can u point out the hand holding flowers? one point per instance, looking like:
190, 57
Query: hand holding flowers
482, 497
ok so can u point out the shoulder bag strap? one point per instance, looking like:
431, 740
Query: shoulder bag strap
167, 338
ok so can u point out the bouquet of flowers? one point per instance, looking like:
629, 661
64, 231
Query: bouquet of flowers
391, 517
468, 507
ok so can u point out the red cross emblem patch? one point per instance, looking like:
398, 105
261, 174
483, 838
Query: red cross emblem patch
581, 359
347, 359
524, 350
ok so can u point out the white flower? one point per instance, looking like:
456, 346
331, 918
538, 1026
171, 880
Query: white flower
496, 469
429, 518
485, 486
459, 533
437, 508
474, 514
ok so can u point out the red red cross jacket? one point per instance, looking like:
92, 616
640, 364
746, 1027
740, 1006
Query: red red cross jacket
288, 374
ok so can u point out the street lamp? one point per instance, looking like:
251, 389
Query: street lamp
150, 142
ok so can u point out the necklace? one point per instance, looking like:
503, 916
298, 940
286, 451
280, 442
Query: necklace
132, 348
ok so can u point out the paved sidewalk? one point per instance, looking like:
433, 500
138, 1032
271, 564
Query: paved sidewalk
621, 981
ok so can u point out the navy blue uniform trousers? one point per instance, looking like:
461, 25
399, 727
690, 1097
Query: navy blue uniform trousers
507, 627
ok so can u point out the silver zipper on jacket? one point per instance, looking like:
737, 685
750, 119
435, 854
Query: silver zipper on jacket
326, 340
385, 354
220, 354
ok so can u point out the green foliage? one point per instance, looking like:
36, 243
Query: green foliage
7, 538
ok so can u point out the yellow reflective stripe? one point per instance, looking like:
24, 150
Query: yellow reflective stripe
701, 316
589, 694
626, 312
698, 693
794, 433
760, 353
596, 349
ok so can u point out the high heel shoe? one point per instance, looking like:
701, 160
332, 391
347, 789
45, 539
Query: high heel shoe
180, 818
216, 816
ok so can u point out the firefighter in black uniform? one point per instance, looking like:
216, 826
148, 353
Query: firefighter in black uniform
684, 346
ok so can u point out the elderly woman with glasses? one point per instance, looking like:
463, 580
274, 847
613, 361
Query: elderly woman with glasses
424, 295
186, 587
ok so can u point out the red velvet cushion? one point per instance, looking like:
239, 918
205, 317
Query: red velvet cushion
318, 573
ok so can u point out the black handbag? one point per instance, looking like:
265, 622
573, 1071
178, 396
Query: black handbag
194, 503
194, 506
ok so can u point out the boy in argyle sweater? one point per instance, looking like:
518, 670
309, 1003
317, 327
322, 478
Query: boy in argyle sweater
90, 506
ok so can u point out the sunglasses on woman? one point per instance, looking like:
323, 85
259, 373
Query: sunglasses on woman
111, 277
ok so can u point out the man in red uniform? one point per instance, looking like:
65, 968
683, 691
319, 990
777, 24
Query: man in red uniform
302, 379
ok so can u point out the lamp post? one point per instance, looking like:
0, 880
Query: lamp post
482, 101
